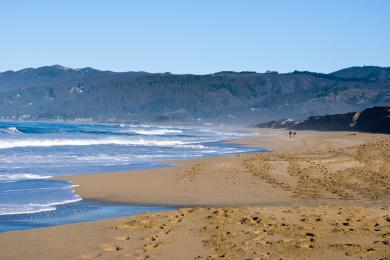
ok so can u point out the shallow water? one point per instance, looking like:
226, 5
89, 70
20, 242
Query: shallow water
77, 212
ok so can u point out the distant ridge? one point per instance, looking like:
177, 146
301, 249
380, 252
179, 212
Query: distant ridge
60, 93
365, 72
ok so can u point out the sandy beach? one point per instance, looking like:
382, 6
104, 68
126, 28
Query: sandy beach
320, 195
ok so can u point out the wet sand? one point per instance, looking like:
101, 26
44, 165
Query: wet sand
319, 195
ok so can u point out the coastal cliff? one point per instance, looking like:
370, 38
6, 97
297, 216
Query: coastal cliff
375, 119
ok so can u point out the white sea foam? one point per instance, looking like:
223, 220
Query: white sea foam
4, 177
118, 158
7, 209
58, 203
22, 209
13, 143
10, 130
157, 132
226, 134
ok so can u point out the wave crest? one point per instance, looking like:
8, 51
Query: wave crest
19, 176
13, 143
157, 132
10, 130
6, 209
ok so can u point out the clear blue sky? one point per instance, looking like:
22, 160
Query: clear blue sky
195, 36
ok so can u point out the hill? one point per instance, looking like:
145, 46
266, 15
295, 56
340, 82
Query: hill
60, 93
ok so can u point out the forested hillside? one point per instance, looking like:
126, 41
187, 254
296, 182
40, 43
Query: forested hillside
56, 92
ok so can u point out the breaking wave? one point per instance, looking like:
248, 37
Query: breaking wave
10, 130
13, 143
19, 177
157, 132
11, 209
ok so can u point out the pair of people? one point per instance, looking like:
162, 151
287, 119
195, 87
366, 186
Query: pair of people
292, 134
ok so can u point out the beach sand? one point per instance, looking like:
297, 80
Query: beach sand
320, 195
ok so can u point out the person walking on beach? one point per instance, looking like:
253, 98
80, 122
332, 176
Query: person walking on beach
295, 133
290, 134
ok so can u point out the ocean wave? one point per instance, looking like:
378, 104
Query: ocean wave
157, 131
12, 143
40, 189
228, 134
18, 177
10, 130
25, 209
59, 202
7, 209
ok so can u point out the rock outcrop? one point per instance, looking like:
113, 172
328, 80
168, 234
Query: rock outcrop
375, 119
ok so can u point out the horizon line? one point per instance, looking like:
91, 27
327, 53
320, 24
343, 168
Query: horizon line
202, 74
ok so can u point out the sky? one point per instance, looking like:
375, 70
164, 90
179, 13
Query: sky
199, 36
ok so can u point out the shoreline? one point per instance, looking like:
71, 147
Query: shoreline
320, 195
160, 167
139, 181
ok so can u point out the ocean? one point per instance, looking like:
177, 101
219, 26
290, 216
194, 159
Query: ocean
32, 152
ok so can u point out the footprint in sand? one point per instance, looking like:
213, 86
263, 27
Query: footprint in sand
151, 245
122, 227
122, 238
90, 256
110, 247
152, 238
